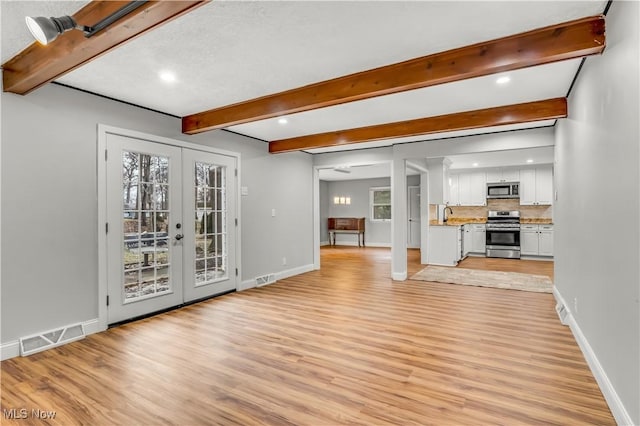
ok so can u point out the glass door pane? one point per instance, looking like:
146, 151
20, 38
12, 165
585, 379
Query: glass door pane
210, 220
145, 219
209, 243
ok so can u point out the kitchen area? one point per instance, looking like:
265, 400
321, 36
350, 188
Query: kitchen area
495, 212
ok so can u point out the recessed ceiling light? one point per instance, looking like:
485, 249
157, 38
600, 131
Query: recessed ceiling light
475, 164
283, 120
167, 76
529, 160
503, 80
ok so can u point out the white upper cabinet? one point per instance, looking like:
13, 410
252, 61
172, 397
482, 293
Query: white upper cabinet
544, 185
464, 189
536, 186
503, 175
468, 189
438, 180
478, 192
454, 193
527, 187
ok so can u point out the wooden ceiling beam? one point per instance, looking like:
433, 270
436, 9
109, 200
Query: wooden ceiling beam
498, 116
37, 64
559, 42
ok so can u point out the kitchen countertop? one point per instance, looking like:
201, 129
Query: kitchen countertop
457, 221
536, 221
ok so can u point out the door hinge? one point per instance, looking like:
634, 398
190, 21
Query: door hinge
105, 155
106, 228
236, 272
107, 300
236, 172
236, 221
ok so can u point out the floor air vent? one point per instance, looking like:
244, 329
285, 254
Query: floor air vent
265, 279
51, 339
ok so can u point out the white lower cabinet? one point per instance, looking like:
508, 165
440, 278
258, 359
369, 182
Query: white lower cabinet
478, 238
536, 240
444, 245
545, 240
467, 239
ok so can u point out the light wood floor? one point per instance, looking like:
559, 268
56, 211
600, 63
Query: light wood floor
343, 345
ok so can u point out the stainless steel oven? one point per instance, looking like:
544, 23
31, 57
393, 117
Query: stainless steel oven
503, 234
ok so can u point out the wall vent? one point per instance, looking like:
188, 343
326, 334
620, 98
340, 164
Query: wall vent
562, 313
265, 279
50, 339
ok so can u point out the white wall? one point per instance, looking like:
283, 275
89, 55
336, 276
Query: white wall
377, 233
49, 203
597, 212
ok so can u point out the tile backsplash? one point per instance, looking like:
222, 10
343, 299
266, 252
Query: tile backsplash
526, 212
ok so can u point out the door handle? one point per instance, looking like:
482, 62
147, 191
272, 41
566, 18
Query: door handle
179, 237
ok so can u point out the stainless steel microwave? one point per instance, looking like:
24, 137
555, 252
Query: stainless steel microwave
503, 190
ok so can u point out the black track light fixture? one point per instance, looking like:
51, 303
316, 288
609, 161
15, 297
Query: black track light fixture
45, 30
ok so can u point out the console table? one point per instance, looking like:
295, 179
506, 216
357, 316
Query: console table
346, 225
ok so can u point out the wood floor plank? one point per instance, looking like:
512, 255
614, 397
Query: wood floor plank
342, 345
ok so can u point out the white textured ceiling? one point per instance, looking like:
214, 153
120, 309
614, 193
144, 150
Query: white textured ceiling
230, 51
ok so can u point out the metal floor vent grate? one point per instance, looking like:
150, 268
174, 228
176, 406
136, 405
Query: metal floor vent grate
51, 339
265, 279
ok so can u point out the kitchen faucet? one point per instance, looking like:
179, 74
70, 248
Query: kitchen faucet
444, 213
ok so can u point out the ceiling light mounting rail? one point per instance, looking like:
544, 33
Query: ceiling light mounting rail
45, 30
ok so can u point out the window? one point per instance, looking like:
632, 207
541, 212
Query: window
380, 200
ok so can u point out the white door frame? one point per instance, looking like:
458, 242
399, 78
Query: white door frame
103, 130
316, 203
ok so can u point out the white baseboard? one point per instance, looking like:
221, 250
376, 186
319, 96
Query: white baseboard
92, 327
529, 257
399, 276
247, 284
616, 406
294, 271
12, 349
442, 264
324, 243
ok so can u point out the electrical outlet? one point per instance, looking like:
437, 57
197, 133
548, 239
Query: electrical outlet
273, 212
284, 261
575, 305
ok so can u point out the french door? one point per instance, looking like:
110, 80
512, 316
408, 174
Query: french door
171, 226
